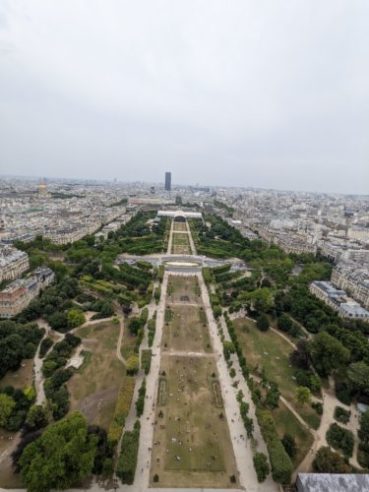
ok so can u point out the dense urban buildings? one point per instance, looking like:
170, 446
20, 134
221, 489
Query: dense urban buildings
123, 306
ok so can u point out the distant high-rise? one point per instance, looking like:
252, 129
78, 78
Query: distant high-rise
168, 181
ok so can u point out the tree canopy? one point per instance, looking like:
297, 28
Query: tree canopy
61, 456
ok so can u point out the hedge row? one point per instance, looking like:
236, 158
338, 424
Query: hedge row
127, 462
146, 360
122, 408
280, 461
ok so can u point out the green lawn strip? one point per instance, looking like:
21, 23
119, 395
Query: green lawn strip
287, 423
269, 351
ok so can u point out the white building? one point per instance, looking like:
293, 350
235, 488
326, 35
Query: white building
338, 300
13, 263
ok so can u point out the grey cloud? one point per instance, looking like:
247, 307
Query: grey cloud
256, 93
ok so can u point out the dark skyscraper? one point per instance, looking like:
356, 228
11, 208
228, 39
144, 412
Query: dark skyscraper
168, 181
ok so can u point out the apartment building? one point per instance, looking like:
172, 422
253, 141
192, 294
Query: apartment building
12, 262
338, 300
17, 295
295, 243
359, 233
354, 278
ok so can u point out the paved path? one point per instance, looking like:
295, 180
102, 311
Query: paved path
37, 362
147, 420
241, 444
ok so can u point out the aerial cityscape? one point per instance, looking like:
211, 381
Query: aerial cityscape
184, 246
192, 337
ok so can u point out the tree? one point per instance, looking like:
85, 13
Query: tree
300, 357
7, 405
133, 364
364, 430
285, 323
340, 438
63, 455
36, 417
289, 445
328, 353
303, 395
228, 349
327, 461
358, 375
249, 426
261, 466
58, 321
272, 396
262, 322
260, 299
75, 317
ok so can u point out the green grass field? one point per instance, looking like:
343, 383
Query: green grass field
288, 424
269, 351
186, 330
179, 226
192, 446
181, 244
183, 289
94, 388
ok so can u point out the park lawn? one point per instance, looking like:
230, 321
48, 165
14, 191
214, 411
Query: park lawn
192, 446
183, 289
128, 344
179, 226
21, 378
95, 386
287, 423
269, 351
186, 330
181, 244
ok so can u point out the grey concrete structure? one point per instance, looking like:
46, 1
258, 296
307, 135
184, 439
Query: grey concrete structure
327, 482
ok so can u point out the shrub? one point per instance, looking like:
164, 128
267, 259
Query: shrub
327, 461
343, 392
151, 325
146, 360
261, 466
284, 323
289, 445
127, 461
318, 407
342, 415
280, 461
46, 344
132, 365
122, 408
262, 322
340, 438
140, 403
36, 417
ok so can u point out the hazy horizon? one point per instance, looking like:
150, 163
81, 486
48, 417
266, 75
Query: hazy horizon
267, 94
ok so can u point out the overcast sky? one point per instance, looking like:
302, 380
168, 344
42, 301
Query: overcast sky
263, 93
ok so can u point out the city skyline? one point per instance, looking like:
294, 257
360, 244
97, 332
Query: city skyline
159, 182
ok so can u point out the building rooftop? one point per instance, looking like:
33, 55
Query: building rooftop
329, 288
354, 309
327, 482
